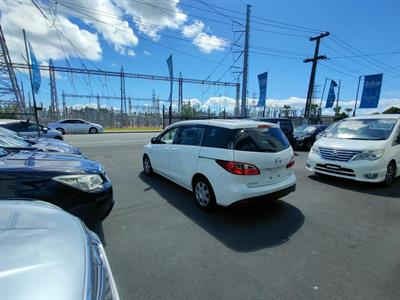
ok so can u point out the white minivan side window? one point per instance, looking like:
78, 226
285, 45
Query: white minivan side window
168, 137
189, 135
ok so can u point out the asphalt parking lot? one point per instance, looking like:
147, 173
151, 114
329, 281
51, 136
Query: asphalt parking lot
331, 239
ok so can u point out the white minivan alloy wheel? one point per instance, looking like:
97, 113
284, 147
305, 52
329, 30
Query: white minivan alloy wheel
202, 193
148, 170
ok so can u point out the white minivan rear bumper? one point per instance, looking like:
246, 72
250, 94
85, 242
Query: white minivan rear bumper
235, 190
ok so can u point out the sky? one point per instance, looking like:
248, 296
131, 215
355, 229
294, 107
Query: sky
204, 38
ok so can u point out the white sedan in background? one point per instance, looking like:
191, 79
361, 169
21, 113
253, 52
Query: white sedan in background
76, 126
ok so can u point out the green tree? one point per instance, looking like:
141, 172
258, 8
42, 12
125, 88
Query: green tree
348, 110
339, 114
188, 112
286, 110
314, 109
392, 110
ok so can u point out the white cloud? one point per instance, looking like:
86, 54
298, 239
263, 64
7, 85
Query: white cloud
151, 17
194, 29
147, 53
106, 18
219, 103
205, 42
45, 41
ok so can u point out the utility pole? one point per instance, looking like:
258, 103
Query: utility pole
23, 95
180, 93
98, 102
314, 60
64, 105
53, 91
236, 113
243, 111
130, 105
29, 103
123, 97
9, 90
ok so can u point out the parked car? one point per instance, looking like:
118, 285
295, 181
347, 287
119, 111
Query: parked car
78, 185
17, 144
305, 135
363, 148
76, 126
326, 130
29, 129
223, 161
47, 253
285, 124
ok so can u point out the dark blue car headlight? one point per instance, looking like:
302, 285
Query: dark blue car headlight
85, 182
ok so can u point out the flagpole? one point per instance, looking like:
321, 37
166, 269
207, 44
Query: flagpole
265, 102
30, 77
338, 95
355, 104
322, 97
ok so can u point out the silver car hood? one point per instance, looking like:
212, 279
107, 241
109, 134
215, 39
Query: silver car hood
42, 252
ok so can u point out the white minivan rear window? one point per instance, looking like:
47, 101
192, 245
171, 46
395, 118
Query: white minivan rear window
260, 140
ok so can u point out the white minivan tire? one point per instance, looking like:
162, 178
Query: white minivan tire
203, 193
147, 168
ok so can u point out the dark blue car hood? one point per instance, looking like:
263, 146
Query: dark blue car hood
44, 161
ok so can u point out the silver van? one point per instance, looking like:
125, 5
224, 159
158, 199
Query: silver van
46, 253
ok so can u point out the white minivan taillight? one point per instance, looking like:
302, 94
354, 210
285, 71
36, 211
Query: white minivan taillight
238, 168
291, 163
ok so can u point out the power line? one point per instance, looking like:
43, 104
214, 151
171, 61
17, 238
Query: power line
146, 39
367, 55
372, 61
306, 29
63, 34
218, 65
222, 14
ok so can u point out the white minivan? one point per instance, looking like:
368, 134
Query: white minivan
223, 161
365, 148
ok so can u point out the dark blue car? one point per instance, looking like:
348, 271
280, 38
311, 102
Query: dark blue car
78, 185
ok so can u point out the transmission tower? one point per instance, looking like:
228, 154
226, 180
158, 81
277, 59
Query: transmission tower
53, 92
10, 93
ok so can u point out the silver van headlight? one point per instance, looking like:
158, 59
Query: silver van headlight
370, 155
84, 182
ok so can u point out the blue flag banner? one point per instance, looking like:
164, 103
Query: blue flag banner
371, 91
171, 75
262, 82
331, 95
36, 77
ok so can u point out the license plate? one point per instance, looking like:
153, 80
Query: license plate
334, 167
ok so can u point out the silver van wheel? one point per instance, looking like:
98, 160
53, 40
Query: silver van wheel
202, 194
